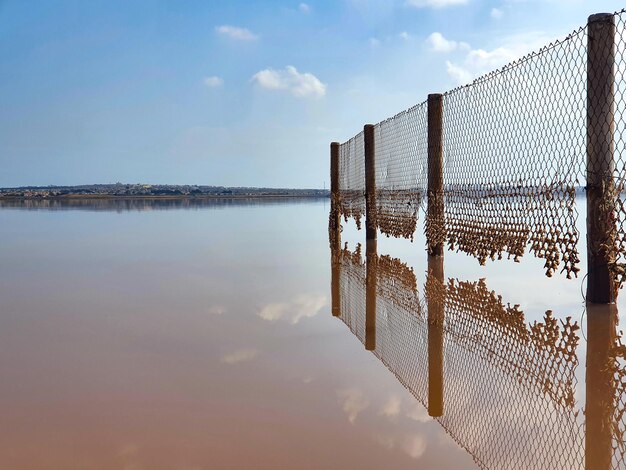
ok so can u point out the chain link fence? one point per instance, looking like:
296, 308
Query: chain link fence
519, 145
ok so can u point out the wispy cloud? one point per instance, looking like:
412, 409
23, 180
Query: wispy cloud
440, 44
234, 32
300, 85
414, 446
240, 355
304, 8
213, 82
497, 13
217, 310
435, 3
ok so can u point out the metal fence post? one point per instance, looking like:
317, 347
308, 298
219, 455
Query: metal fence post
370, 182
335, 230
601, 226
435, 219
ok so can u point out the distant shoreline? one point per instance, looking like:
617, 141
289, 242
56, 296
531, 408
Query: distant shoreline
167, 197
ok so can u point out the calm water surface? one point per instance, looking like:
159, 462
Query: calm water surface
202, 337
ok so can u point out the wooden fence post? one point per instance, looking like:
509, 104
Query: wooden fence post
335, 230
370, 182
600, 389
371, 286
601, 225
436, 304
435, 226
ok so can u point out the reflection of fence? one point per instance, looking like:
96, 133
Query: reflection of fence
516, 144
503, 389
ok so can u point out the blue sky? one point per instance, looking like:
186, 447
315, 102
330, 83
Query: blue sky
235, 92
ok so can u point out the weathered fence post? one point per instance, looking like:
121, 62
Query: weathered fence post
600, 388
436, 302
370, 182
371, 286
435, 228
601, 226
335, 229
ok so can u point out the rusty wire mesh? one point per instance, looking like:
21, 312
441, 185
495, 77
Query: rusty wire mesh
401, 171
352, 178
514, 151
508, 386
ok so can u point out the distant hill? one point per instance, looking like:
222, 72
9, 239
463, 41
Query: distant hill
120, 190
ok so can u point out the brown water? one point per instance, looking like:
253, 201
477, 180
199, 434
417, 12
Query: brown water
204, 339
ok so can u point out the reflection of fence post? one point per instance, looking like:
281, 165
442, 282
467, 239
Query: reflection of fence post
601, 286
371, 284
370, 182
435, 300
600, 405
334, 229
435, 219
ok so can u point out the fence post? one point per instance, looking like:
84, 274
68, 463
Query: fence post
335, 230
436, 304
371, 286
435, 219
600, 389
601, 227
370, 182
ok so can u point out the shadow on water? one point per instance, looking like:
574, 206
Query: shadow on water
146, 204
504, 389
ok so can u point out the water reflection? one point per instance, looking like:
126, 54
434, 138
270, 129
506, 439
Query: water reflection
505, 390
144, 204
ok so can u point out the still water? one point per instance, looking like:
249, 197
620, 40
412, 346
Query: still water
161, 336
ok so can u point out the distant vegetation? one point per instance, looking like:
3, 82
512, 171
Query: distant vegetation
120, 190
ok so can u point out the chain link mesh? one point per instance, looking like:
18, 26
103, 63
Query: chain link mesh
508, 392
515, 145
352, 178
401, 171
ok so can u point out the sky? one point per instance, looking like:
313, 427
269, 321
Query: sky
233, 92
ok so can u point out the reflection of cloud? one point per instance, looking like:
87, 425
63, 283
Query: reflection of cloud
241, 355
354, 402
414, 446
217, 310
388, 442
392, 407
418, 413
304, 306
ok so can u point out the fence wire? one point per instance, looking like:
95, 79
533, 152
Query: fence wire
508, 386
401, 171
515, 146
352, 178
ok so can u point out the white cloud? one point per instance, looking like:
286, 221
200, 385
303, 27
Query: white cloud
304, 306
435, 3
300, 85
353, 402
404, 35
213, 82
234, 32
241, 355
440, 44
391, 408
478, 62
414, 446
304, 8
497, 13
